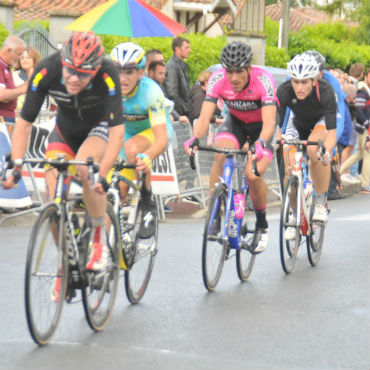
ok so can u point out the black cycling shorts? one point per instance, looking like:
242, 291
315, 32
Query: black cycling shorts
238, 131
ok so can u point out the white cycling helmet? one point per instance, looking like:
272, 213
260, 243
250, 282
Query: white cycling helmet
128, 55
303, 66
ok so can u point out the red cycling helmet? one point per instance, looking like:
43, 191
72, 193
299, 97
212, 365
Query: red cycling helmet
84, 51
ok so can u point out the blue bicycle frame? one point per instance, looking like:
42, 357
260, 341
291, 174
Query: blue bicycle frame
231, 232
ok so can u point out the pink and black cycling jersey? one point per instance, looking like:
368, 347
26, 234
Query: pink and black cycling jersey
247, 104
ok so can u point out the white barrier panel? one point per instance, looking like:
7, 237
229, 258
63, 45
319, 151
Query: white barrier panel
164, 177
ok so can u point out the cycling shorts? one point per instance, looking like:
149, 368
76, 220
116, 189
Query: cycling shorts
238, 131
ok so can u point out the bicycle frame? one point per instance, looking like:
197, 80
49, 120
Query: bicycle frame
231, 233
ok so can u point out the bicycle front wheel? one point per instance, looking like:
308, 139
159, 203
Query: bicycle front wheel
46, 274
289, 245
244, 258
214, 247
315, 240
138, 275
100, 293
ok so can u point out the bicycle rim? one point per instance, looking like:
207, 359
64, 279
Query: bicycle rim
314, 241
100, 293
138, 275
45, 275
245, 259
214, 248
289, 248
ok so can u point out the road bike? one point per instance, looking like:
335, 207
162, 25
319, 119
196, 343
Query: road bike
297, 209
228, 227
138, 255
57, 254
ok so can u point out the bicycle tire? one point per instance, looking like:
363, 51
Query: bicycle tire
214, 248
100, 293
245, 259
289, 248
138, 275
315, 240
46, 262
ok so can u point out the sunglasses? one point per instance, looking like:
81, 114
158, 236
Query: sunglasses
80, 73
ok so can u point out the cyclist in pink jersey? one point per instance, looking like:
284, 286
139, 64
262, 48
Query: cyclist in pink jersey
249, 93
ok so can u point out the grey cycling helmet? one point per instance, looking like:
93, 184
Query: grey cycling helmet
320, 59
236, 55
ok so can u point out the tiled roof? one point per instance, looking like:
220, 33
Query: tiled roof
38, 9
298, 16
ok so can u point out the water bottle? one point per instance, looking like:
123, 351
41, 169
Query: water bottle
75, 224
239, 205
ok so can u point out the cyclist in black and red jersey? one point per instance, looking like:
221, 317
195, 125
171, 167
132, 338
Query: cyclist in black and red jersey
313, 116
89, 120
249, 93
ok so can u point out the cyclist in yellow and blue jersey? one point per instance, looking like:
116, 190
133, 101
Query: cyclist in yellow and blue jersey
148, 128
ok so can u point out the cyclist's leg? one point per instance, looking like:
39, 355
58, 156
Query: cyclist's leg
94, 146
258, 188
319, 172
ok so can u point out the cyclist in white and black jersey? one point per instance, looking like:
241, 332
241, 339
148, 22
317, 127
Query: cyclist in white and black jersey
313, 116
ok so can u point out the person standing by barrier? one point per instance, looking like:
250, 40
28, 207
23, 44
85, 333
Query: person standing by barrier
176, 83
10, 52
249, 93
362, 126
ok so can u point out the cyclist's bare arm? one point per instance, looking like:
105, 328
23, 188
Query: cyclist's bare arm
114, 145
268, 122
202, 124
20, 138
330, 140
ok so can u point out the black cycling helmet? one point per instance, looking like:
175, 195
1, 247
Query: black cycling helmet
83, 50
236, 55
320, 59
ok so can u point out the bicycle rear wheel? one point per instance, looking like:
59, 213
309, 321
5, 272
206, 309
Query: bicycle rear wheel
245, 259
214, 248
315, 240
144, 251
100, 293
46, 274
289, 248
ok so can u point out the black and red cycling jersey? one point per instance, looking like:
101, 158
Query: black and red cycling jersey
77, 114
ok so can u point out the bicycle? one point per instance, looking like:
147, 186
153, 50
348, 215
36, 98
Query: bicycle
237, 233
297, 210
57, 255
138, 255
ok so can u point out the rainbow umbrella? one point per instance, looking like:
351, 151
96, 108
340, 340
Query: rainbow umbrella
131, 18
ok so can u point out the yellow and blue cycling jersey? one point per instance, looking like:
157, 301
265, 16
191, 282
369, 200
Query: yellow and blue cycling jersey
143, 109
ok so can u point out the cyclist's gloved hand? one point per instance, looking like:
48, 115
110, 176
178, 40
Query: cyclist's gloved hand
190, 144
144, 163
262, 150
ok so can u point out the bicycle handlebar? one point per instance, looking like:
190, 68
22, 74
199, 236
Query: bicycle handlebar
121, 164
227, 151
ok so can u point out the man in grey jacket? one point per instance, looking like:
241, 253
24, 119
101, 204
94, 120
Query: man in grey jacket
176, 84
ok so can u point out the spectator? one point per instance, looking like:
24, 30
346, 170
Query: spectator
176, 84
157, 72
153, 55
197, 96
347, 141
362, 125
23, 71
356, 73
10, 52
